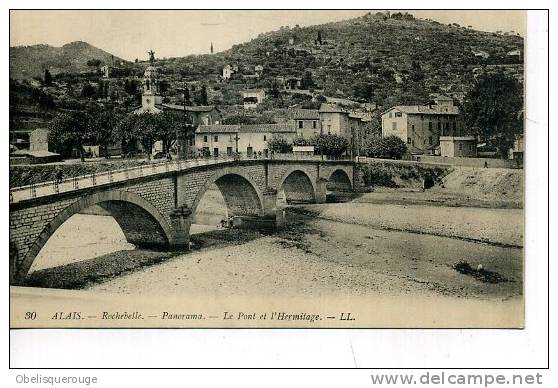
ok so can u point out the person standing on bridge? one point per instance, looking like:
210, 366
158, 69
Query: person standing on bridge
59, 176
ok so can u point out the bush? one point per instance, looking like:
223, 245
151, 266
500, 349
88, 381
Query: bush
390, 147
330, 144
280, 144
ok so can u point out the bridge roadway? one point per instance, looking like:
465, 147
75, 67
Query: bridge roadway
154, 204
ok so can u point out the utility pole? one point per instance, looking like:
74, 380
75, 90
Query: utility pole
178, 147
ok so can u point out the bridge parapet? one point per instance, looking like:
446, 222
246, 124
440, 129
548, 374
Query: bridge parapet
155, 204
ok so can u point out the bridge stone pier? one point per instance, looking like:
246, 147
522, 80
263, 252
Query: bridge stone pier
156, 210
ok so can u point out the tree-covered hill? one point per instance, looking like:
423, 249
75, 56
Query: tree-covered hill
74, 57
376, 58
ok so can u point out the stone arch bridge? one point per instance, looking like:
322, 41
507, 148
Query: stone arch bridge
155, 207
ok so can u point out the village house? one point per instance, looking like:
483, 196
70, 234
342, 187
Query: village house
251, 140
307, 122
108, 71
516, 151
227, 72
458, 146
252, 97
335, 120
420, 126
481, 54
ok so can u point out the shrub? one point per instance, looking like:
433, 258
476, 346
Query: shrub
280, 144
390, 147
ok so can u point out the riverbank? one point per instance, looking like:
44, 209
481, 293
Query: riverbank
312, 258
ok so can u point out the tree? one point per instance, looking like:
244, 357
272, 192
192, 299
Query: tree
203, 95
280, 144
330, 144
69, 131
127, 131
131, 87
169, 126
416, 72
146, 131
88, 90
94, 63
186, 96
47, 78
307, 81
104, 129
390, 147
494, 107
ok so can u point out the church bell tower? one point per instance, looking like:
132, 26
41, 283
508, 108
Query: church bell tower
150, 94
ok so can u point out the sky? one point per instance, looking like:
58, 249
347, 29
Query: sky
130, 34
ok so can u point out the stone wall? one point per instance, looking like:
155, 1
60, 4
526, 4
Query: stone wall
147, 208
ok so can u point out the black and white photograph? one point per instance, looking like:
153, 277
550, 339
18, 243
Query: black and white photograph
267, 168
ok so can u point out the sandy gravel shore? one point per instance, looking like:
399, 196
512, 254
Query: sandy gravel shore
497, 226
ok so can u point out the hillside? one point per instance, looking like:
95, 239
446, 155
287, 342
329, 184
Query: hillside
31, 61
371, 58
377, 58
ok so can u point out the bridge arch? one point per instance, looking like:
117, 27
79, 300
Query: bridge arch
240, 192
339, 180
142, 224
298, 186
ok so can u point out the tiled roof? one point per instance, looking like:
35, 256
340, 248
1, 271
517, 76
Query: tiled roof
422, 109
310, 114
328, 108
201, 108
247, 128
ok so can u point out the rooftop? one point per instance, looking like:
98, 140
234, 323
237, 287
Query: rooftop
425, 109
246, 128
200, 108
310, 114
329, 108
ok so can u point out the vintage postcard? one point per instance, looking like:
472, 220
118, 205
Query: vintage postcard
267, 169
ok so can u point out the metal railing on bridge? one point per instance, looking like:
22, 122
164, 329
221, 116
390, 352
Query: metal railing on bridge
68, 184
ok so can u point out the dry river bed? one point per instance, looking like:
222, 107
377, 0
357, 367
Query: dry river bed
344, 249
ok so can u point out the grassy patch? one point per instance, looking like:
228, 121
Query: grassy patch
386, 174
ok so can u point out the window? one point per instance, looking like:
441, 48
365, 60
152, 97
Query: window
439, 126
394, 126
265, 138
205, 138
313, 124
454, 126
430, 125
409, 140
390, 115
216, 138
430, 140
413, 127
470, 147
398, 114
301, 124
460, 147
